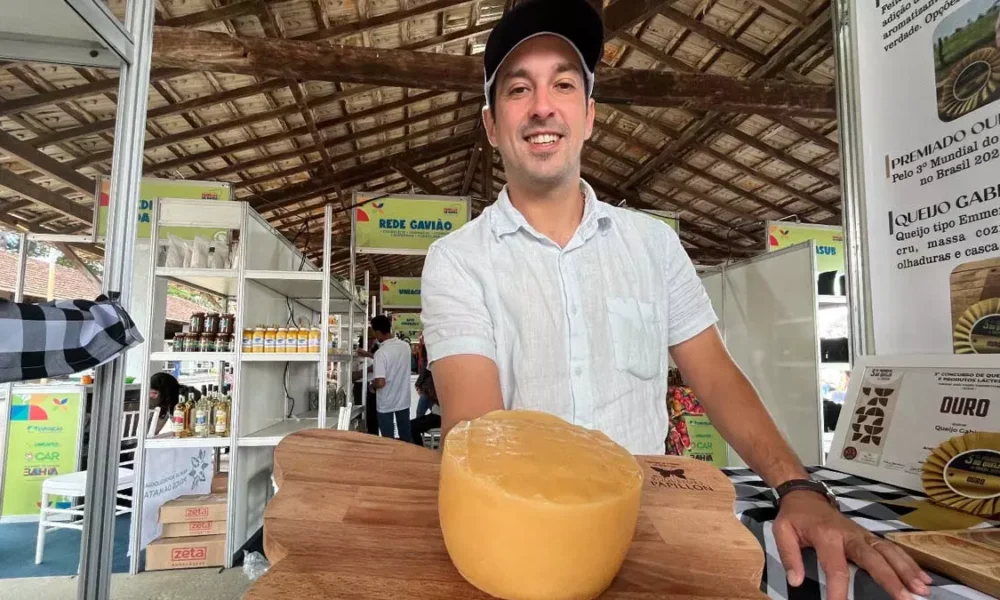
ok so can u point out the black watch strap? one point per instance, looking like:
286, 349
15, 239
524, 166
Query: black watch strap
795, 485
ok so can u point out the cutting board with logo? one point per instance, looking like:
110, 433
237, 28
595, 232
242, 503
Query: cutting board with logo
356, 517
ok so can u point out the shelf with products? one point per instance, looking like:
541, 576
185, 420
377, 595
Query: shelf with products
269, 284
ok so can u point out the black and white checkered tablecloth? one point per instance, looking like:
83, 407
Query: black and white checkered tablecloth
863, 501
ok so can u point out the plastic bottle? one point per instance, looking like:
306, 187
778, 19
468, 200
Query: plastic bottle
270, 334
314, 343
280, 340
258, 338
303, 340
248, 340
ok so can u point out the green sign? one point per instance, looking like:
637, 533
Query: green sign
706, 442
408, 324
829, 242
149, 190
42, 442
406, 224
400, 292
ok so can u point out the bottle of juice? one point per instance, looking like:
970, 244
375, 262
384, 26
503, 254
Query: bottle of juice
178, 420
258, 338
270, 335
202, 414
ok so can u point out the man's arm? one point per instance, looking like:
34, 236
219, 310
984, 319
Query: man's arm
378, 373
458, 334
468, 387
735, 408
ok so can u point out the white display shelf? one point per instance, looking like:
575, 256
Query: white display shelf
169, 441
341, 357
279, 357
270, 436
836, 365
192, 356
220, 281
832, 300
293, 284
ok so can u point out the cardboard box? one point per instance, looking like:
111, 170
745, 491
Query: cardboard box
220, 483
192, 528
186, 553
210, 507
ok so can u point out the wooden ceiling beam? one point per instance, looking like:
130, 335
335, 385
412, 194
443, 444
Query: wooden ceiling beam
780, 155
160, 111
622, 15
90, 89
342, 120
713, 35
416, 178
315, 187
45, 197
775, 63
46, 164
780, 9
208, 51
361, 152
732, 189
808, 133
223, 13
389, 18
470, 171
200, 132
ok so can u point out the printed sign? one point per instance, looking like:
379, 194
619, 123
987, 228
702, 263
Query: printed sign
829, 242
42, 442
171, 473
929, 81
691, 432
408, 324
406, 224
149, 190
898, 409
400, 292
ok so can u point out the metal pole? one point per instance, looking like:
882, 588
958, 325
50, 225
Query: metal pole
22, 265
109, 394
852, 178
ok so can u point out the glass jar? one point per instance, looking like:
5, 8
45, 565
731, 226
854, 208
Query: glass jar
227, 324
197, 324
212, 323
207, 342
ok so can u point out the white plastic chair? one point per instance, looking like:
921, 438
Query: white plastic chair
432, 438
74, 485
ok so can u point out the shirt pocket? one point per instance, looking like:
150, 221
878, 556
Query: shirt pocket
636, 334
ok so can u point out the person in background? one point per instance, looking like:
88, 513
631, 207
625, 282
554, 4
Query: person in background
425, 422
423, 374
164, 392
391, 380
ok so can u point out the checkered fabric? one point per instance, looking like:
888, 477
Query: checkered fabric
61, 337
863, 501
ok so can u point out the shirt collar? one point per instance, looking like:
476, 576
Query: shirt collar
506, 219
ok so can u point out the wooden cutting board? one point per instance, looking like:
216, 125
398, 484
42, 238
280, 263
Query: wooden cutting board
356, 517
969, 556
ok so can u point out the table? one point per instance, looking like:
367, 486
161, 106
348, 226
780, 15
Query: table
356, 517
864, 502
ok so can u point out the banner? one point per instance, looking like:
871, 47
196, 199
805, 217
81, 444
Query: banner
929, 81
829, 242
408, 324
171, 473
899, 408
150, 189
42, 442
406, 224
400, 292
691, 432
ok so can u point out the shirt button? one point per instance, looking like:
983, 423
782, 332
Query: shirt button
573, 310
578, 371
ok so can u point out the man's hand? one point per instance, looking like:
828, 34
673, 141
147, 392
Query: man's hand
365, 354
806, 520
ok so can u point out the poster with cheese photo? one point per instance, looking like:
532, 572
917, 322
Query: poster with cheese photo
928, 75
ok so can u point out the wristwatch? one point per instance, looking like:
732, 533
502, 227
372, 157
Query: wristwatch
809, 485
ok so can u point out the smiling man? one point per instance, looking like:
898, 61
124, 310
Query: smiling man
554, 301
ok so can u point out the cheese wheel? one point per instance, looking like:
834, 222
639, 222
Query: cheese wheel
534, 508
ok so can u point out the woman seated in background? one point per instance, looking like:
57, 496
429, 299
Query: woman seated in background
164, 392
425, 422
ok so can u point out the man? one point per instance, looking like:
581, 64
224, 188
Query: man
391, 380
555, 301
431, 417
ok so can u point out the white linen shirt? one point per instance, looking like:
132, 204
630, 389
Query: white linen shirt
392, 363
581, 332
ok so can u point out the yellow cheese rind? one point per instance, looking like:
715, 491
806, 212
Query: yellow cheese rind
534, 508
